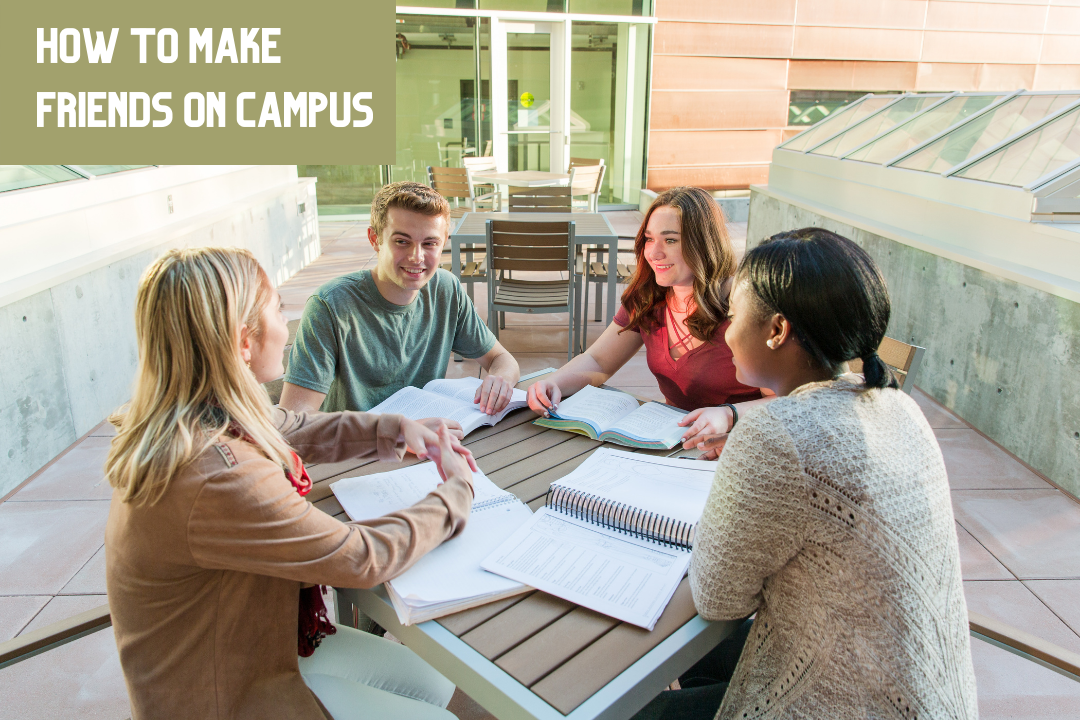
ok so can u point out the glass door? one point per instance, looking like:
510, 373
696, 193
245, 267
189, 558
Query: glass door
529, 88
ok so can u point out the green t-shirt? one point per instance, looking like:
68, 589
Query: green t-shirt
359, 348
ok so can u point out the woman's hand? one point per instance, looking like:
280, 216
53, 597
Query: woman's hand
544, 395
708, 429
434, 423
426, 444
454, 460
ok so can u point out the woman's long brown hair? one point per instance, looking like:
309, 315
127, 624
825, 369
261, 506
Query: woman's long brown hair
706, 248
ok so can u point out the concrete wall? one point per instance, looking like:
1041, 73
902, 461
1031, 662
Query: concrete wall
68, 351
1002, 355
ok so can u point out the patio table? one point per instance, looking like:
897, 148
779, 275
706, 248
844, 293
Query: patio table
589, 229
536, 655
523, 178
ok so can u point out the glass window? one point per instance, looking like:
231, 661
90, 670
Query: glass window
344, 189
437, 100
838, 121
984, 132
876, 125
555, 6
807, 107
94, 170
636, 8
609, 70
1047, 149
17, 177
920, 129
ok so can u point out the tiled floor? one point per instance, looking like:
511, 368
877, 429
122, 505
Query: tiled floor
1019, 537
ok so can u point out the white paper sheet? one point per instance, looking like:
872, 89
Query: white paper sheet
599, 408
652, 420
451, 399
592, 566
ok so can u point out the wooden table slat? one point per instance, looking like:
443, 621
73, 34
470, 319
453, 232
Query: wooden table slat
328, 470
548, 649
537, 486
516, 624
576, 680
504, 439
464, 621
515, 418
511, 475
540, 443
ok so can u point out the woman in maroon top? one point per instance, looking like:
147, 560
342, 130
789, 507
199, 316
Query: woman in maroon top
677, 307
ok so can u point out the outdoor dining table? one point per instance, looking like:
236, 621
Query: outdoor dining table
589, 229
536, 655
523, 178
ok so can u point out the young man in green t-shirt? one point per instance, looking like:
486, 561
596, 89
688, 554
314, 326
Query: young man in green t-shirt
366, 335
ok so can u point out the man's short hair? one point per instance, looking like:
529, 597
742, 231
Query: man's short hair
407, 196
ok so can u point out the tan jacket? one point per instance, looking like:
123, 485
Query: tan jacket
204, 584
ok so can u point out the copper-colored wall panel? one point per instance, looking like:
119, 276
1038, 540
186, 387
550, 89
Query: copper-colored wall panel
683, 110
1006, 77
1057, 77
675, 72
735, 11
984, 17
1061, 50
716, 40
964, 47
720, 147
947, 76
1063, 19
851, 75
834, 43
711, 178
790, 132
862, 13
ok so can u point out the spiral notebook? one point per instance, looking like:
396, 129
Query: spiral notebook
614, 535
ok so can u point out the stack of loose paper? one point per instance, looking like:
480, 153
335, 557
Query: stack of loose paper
449, 578
451, 399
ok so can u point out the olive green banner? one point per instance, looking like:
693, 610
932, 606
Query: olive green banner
197, 82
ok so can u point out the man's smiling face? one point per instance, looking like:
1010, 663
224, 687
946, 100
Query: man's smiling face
409, 252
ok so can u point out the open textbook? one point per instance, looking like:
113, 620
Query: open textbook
451, 399
614, 536
617, 417
449, 578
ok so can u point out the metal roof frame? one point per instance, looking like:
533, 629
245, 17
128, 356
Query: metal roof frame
896, 127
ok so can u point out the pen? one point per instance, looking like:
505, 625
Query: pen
550, 409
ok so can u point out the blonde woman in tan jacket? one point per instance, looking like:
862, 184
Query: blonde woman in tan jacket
209, 540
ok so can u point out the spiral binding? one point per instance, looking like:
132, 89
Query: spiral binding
621, 517
495, 502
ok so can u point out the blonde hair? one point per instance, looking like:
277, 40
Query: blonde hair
191, 386
410, 196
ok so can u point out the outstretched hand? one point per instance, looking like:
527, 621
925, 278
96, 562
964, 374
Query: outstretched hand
454, 460
544, 397
426, 445
707, 430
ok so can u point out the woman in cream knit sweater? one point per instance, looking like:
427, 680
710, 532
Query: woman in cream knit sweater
829, 516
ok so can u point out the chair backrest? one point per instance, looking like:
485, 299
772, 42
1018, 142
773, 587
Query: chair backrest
585, 162
475, 165
541, 199
586, 179
904, 359
449, 182
530, 245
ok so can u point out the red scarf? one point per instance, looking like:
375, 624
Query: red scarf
312, 623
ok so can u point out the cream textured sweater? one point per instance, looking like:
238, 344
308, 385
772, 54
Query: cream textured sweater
830, 517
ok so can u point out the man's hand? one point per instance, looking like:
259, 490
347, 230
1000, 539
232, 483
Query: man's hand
434, 423
493, 395
544, 397
454, 460
425, 443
